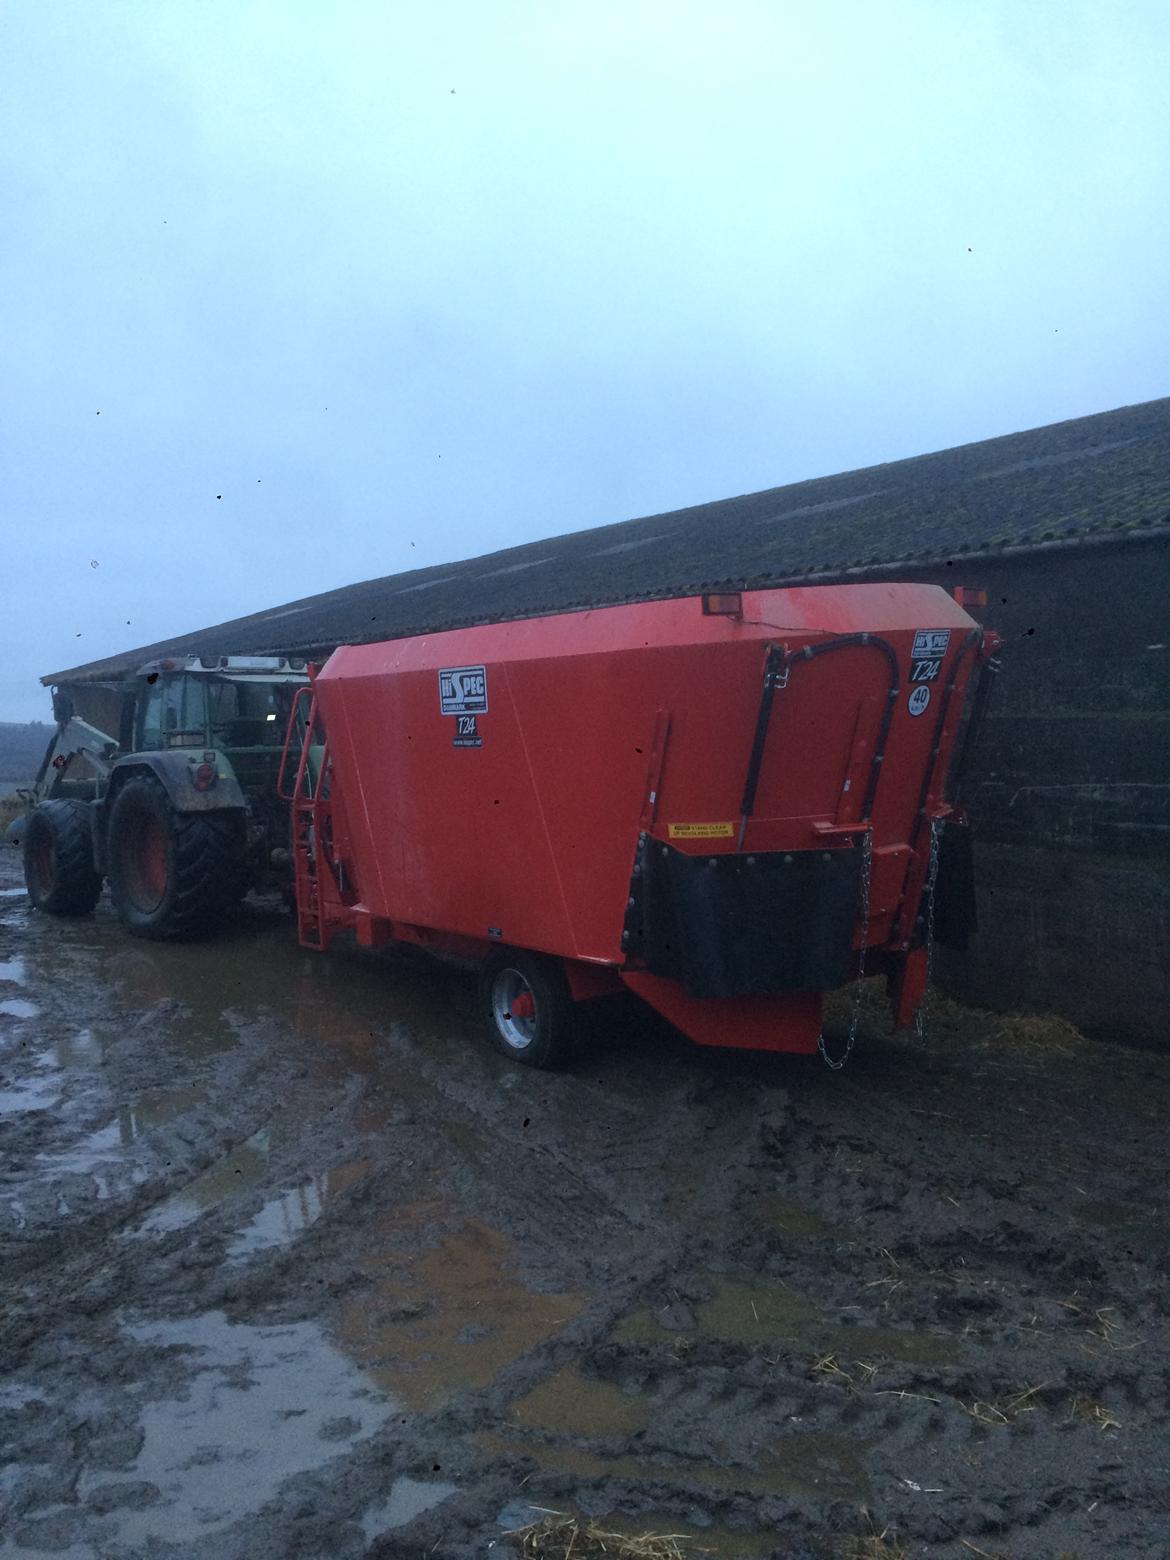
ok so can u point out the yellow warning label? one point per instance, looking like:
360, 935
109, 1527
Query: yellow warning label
701, 831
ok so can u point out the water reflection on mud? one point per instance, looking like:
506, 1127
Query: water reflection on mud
408, 1499
267, 1403
287, 1215
449, 1317
19, 1007
40, 1092
569, 1403
771, 1315
243, 1167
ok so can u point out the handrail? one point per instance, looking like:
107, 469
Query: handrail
288, 796
777, 667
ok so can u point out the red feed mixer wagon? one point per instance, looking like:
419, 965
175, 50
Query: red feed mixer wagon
729, 804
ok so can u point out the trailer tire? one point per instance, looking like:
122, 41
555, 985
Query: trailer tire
58, 859
541, 1035
173, 875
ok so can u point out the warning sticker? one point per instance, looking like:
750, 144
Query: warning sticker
701, 831
463, 690
930, 644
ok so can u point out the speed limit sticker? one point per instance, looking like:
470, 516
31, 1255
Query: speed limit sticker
919, 699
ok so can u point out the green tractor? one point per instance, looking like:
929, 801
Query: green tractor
178, 811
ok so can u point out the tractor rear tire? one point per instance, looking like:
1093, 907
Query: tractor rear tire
58, 859
173, 875
525, 1002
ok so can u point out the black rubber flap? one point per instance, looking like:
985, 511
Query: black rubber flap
954, 889
729, 925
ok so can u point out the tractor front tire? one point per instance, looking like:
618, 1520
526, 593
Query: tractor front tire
58, 859
173, 875
525, 1002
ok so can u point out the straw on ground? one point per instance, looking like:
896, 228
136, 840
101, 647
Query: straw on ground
561, 1536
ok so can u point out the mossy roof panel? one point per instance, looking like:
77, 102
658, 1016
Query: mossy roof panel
1094, 476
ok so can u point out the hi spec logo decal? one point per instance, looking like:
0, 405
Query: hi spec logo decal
926, 658
463, 690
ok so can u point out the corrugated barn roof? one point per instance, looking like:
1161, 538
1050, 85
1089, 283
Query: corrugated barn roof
1089, 478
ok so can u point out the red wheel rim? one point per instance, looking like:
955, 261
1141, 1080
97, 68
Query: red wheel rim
147, 867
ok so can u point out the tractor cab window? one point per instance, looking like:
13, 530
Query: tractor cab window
173, 714
150, 720
247, 713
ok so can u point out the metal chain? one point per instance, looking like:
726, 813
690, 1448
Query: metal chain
931, 878
837, 1063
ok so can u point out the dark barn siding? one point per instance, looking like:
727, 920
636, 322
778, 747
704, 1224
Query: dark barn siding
1069, 788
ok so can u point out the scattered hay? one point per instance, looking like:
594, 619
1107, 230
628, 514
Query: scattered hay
874, 1009
1088, 1411
560, 1536
828, 1368
1036, 1029
984, 1554
877, 1546
1112, 1332
1040, 1030
1007, 1410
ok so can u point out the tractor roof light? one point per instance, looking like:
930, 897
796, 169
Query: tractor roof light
726, 603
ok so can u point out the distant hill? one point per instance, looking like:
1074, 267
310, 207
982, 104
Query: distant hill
22, 746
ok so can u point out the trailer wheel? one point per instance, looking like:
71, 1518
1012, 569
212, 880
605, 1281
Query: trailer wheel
529, 1012
173, 875
58, 859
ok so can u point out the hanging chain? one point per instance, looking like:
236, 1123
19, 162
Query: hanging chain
837, 1063
931, 879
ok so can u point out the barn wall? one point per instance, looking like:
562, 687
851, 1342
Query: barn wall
1070, 791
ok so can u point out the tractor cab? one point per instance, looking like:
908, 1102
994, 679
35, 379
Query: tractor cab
237, 706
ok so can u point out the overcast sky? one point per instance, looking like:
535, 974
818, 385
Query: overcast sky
301, 294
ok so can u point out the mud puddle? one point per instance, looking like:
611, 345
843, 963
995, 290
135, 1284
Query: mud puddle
448, 1318
292, 1211
243, 1168
771, 1317
19, 1007
569, 1403
267, 1404
408, 1498
101, 1154
40, 1091
294, 1265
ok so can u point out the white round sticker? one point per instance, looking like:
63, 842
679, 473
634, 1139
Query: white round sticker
918, 700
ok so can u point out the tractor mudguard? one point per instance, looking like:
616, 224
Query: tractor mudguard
180, 771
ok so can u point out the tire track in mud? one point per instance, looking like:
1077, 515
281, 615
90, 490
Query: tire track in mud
974, 1243
704, 1256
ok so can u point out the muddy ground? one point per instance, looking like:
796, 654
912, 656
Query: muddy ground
293, 1265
